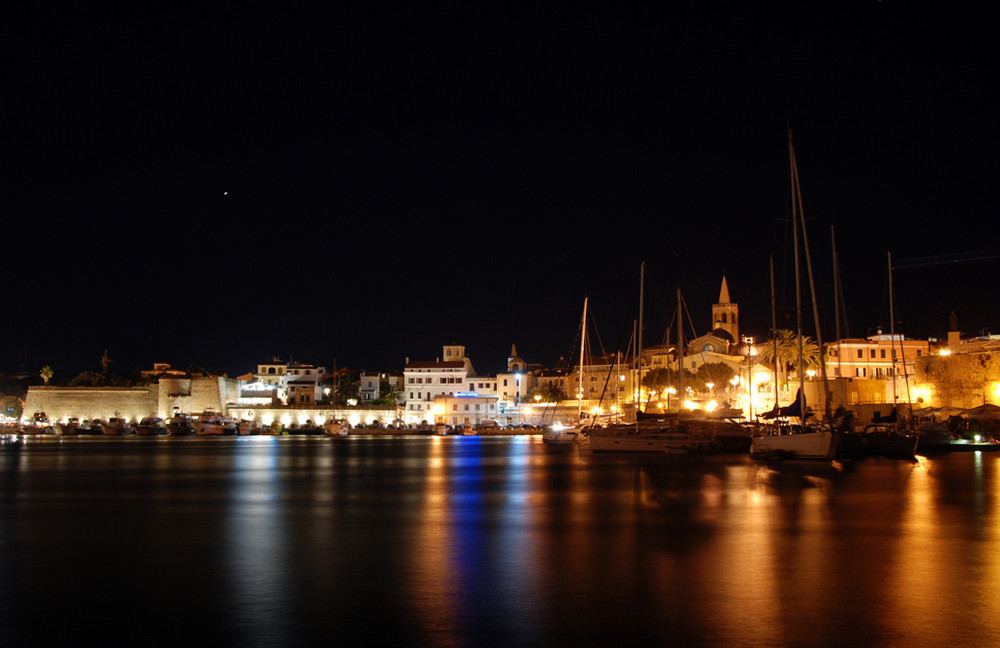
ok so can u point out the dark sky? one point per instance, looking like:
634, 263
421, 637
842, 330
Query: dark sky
367, 184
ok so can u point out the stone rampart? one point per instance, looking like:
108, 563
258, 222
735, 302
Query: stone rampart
191, 395
60, 403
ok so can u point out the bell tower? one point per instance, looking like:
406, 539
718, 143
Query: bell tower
725, 313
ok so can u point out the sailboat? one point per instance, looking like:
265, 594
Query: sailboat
557, 433
797, 441
655, 433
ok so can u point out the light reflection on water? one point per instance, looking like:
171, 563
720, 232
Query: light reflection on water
479, 541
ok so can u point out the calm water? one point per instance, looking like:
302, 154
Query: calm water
467, 541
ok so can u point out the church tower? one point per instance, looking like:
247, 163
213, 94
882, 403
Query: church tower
726, 314
514, 362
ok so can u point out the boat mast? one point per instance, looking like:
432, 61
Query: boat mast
774, 333
892, 336
797, 198
798, 287
638, 344
836, 304
583, 341
680, 351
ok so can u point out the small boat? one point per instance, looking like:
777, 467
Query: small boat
788, 441
180, 424
558, 434
880, 440
91, 427
116, 426
937, 437
71, 426
309, 428
654, 435
246, 428
335, 429
211, 423
38, 424
151, 426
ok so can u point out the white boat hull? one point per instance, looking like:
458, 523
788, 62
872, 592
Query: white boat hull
801, 445
558, 435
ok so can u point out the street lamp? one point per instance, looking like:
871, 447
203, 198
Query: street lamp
750, 351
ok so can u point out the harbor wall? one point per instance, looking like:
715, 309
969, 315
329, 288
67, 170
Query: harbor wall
188, 394
61, 403
194, 395
317, 414
962, 381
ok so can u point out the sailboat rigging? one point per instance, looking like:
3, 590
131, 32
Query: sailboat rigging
803, 443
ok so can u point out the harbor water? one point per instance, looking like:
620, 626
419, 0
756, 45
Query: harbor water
488, 541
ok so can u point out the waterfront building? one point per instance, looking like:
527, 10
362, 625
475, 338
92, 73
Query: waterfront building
304, 383
368, 385
879, 356
293, 382
426, 380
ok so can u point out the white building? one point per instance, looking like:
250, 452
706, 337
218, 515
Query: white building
293, 383
425, 380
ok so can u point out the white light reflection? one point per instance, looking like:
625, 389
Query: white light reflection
257, 567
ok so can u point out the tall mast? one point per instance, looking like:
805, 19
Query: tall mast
638, 344
774, 332
583, 341
836, 301
798, 286
797, 198
680, 350
892, 333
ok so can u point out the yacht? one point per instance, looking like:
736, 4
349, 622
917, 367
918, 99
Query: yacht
211, 423
71, 426
115, 426
180, 424
151, 426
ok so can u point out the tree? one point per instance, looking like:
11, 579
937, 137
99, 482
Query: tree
717, 373
89, 379
11, 406
550, 392
788, 352
46, 374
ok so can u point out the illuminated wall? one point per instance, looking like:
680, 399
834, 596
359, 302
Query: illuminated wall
961, 380
60, 403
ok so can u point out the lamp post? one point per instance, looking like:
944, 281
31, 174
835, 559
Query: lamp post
748, 342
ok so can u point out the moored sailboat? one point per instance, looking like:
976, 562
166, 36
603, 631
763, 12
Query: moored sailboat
801, 440
559, 433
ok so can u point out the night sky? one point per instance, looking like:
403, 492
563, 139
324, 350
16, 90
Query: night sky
367, 184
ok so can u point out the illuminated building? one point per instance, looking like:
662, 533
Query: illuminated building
426, 380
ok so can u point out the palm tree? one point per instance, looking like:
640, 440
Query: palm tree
46, 374
787, 343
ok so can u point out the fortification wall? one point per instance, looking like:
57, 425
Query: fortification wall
960, 380
190, 395
60, 403
195, 395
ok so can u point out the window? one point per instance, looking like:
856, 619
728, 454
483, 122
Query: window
860, 354
466, 407
871, 353
882, 353
454, 407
